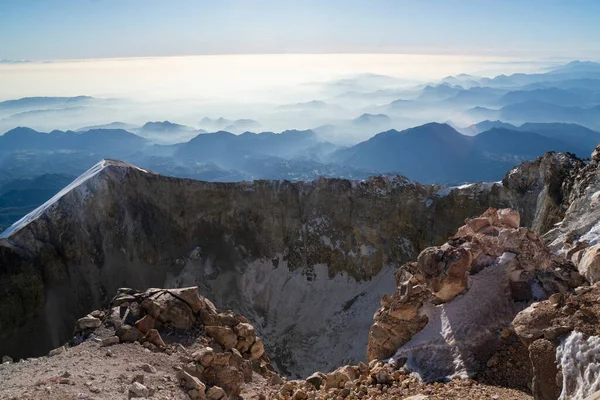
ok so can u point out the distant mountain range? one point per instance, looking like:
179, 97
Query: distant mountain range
438, 153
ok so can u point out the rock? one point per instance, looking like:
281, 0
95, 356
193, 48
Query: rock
244, 345
257, 350
276, 380
146, 323
417, 397
316, 380
128, 333
299, 394
542, 354
236, 360
98, 314
154, 337
191, 382
509, 218
87, 322
594, 396
137, 390
556, 298
149, 368
221, 359
335, 379
222, 335
245, 330
481, 275
382, 376
165, 307
230, 379
216, 393
109, 341
7, 360
204, 356
57, 351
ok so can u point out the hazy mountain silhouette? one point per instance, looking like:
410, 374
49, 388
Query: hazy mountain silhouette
438, 153
114, 141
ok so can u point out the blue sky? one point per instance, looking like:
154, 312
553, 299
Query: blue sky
64, 29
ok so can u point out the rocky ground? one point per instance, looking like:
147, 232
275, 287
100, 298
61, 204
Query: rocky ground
91, 371
173, 344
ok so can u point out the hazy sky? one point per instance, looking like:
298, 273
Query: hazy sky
71, 29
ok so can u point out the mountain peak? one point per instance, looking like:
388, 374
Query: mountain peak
80, 188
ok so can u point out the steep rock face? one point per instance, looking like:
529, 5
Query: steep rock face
567, 326
578, 235
451, 304
302, 260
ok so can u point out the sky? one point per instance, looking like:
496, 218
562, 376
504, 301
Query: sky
80, 29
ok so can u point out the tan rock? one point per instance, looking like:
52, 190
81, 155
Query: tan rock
170, 310
109, 341
128, 333
154, 337
589, 263
87, 322
245, 330
146, 323
204, 356
223, 335
257, 349
137, 390
216, 393
191, 382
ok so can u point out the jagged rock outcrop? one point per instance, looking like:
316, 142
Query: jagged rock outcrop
578, 235
566, 327
225, 348
446, 318
303, 261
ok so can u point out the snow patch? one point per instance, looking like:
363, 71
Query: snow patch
448, 346
77, 184
468, 188
579, 359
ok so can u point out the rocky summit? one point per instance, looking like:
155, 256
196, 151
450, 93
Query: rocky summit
383, 288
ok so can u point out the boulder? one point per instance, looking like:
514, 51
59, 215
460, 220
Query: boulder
110, 341
191, 382
223, 335
257, 350
128, 333
204, 356
154, 337
146, 323
245, 331
316, 380
216, 393
137, 390
170, 310
87, 322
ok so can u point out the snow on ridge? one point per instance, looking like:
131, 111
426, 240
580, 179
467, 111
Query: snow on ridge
477, 186
76, 184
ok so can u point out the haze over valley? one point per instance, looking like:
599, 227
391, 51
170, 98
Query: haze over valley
458, 129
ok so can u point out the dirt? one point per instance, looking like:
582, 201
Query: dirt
89, 371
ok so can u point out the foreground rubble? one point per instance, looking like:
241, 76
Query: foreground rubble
161, 343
